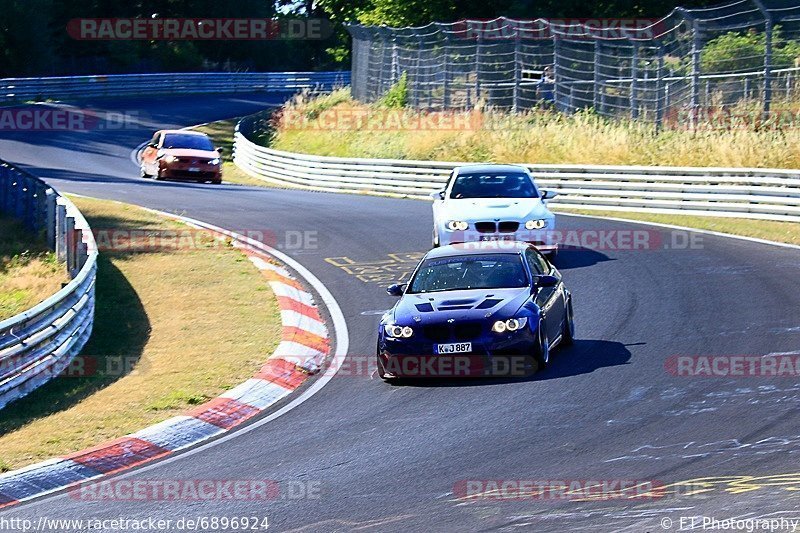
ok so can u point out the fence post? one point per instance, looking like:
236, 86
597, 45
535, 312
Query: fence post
557, 77
767, 56
418, 73
478, 48
446, 73
695, 86
395, 62
660, 93
596, 78
517, 71
634, 80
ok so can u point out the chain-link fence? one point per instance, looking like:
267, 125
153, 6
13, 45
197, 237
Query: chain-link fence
737, 61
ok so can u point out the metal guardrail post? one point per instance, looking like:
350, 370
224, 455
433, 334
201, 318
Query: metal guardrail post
69, 227
50, 217
61, 233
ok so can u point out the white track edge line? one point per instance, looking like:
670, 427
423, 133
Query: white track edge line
342, 345
684, 228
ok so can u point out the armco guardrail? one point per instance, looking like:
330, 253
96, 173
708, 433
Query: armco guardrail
37, 89
731, 192
38, 344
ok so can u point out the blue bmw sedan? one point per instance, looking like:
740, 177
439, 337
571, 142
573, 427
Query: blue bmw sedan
476, 309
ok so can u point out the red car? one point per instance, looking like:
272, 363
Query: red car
181, 155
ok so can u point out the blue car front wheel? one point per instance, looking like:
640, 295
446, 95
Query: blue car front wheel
542, 349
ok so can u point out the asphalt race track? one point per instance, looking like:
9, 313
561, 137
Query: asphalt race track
391, 457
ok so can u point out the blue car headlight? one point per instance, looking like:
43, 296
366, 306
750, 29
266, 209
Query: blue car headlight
512, 324
398, 332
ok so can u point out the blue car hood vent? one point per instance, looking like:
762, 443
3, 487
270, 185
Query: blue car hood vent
488, 303
424, 308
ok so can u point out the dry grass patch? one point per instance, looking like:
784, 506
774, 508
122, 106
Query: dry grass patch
29, 272
174, 328
534, 137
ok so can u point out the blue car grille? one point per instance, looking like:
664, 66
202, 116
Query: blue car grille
457, 332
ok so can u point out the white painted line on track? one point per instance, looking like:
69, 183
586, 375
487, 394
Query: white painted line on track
684, 228
342, 346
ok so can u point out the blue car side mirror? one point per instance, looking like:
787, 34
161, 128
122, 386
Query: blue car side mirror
545, 281
396, 289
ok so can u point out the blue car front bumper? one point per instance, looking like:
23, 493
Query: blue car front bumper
507, 354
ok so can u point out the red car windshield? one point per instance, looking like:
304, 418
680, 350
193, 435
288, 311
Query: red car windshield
190, 142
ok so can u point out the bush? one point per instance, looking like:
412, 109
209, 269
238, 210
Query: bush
397, 95
732, 52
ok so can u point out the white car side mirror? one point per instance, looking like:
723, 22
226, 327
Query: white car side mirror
548, 195
437, 195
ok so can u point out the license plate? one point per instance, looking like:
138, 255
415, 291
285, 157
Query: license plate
454, 347
194, 169
495, 237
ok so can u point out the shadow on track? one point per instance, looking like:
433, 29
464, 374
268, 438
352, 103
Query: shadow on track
568, 258
584, 357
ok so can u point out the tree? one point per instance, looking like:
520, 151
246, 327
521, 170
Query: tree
741, 52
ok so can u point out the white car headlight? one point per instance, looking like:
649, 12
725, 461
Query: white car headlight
398, 332
457, 225
536, 224
512, 324
214, 161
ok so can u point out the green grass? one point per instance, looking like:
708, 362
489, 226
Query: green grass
29, 271
173, 328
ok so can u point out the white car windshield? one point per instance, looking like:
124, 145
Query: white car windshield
493, 185
490, 271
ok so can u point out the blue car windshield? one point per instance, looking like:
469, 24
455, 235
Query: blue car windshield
194, 142
490, 271
493, 185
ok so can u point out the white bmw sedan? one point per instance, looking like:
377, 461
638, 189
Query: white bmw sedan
493, 203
